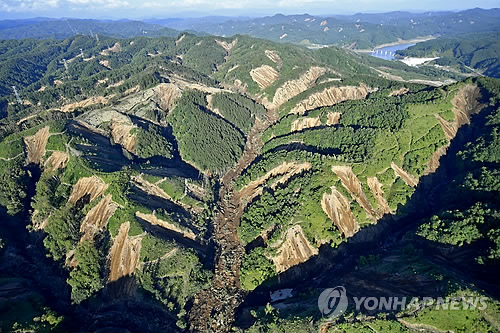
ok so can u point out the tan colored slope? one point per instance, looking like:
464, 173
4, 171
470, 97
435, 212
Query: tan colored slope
331, 96
97, 218
57, 160
352, 184
465, 103
125, 253
287, 169
399, 92
301, 123
333, 118
121, 134
294, 87
35, 145
82, 104
264, 76
113, 49
273, 56
408, 178
295, 249
377, 191
151, 218
227, 46
338, 209
166, 94
433, 164
179, 40
91, 186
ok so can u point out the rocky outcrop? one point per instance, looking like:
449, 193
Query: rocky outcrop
57, 160
333, 118
97, 218
124, 254
264, 76
295, 249
294, 87
165, 94
121, 134
338, 209
377, 191
352, 184
105, 63
407, 178
151, 218
273, 56
301, 123
331, 96
91, 186
35, 146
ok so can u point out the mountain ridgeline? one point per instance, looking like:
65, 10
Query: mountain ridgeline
178, 184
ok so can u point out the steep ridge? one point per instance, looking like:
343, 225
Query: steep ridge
377, 191
124, 253
264, 76
407, 178
92, 186
57, 160
302, 123
151, 218
331, 96
97, 218
352, 184
338, 209
121, 134
287, 169
35, 146
295, 250
294, 87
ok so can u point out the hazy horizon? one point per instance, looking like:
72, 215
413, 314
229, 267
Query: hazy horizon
135, 9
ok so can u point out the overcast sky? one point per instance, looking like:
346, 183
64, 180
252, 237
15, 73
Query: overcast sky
181, 8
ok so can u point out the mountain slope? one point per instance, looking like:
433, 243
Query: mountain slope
167, 181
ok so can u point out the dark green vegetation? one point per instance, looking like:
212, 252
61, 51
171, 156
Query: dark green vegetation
128, 239
479, 51
210, 142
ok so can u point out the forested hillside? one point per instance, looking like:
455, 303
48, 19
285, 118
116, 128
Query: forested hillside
173, 184
479, 51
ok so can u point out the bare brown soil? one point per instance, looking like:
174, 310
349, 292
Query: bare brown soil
97, 218
121, 134
338, 209
408, 179
301, 123
331, 96
35, 146
377, 191
295, 249
124, 254
151, 218
352, 184
91, 186
57, 160
333, 118
264, 76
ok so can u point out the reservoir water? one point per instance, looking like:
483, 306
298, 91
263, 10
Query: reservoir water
389, 52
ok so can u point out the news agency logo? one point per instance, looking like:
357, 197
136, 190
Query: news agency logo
333, 302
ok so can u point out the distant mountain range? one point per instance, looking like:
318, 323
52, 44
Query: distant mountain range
358, 31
